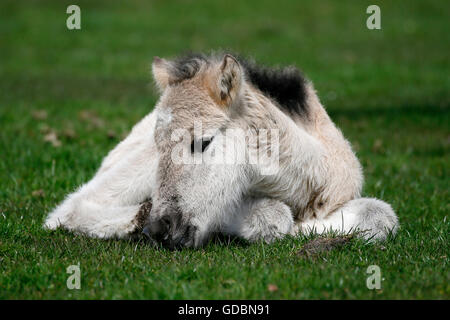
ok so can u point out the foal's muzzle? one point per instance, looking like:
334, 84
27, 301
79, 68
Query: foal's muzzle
170, 234
157, 230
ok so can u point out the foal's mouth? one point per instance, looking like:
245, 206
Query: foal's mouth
170, 238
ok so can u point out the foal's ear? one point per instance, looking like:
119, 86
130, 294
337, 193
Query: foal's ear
229, 79
160, 70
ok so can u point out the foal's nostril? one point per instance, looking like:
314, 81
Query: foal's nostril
157, 229
165, 221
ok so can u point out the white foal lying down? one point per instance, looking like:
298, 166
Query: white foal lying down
308, 179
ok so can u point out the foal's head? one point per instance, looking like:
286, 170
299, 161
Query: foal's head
200, 114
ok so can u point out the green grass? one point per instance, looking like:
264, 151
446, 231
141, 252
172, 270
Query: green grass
388, 91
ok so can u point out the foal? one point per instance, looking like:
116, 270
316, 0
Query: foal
312, 184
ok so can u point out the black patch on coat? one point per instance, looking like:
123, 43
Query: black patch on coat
287, 86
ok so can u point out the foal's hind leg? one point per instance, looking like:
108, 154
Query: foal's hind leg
372, 218
262, 219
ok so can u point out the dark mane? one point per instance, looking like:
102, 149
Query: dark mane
286, 86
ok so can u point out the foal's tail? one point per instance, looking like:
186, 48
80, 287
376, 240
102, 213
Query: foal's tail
372, 218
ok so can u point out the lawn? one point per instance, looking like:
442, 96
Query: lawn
67, 97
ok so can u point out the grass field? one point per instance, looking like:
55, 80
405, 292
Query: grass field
67, 97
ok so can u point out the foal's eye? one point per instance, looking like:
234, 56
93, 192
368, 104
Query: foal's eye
204, 142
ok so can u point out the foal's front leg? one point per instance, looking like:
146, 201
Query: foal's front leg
110, 204
262, 219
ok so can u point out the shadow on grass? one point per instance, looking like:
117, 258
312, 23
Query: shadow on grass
62, 238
